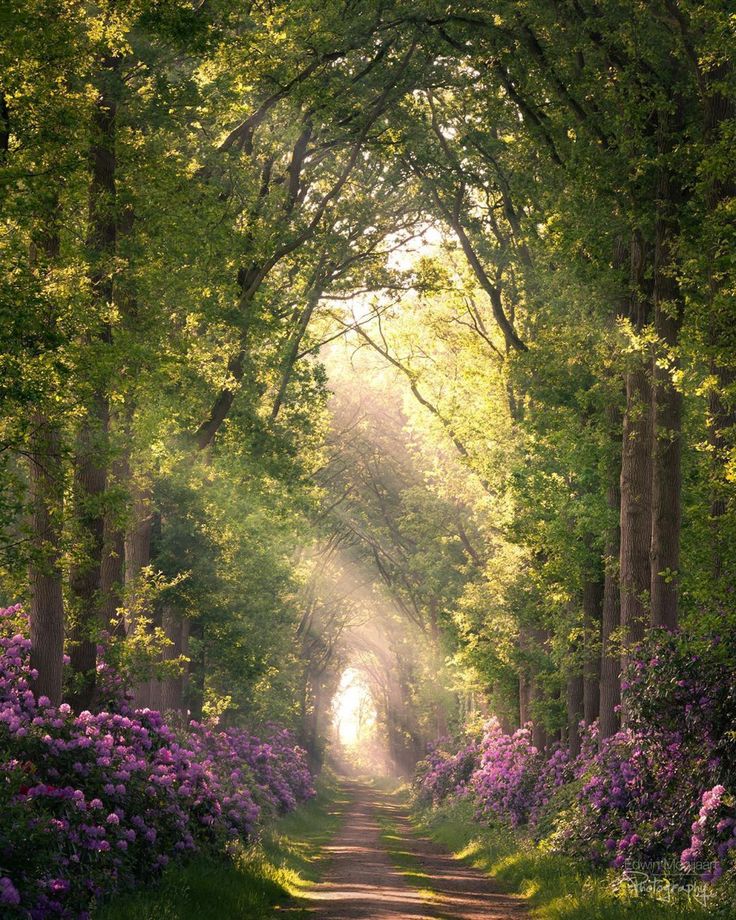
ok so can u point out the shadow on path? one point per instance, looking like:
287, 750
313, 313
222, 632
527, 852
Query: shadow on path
362, 883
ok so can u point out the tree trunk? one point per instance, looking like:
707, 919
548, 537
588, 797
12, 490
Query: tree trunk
313, 743
532, 641
114, 560
111, 575
46, 505
112, 567
89, 487
137, 557
636, 471
592, 611
666, 400
721, 424
525, 677
539, 732
609, 720
197, 673
666, 500
138, 538
524, 698
46, 496
574, 712
610, 660
719, 110
636, 500
172, 688
91, 462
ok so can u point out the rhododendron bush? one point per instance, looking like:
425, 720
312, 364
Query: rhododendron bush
95, 802
443, 773
659, 793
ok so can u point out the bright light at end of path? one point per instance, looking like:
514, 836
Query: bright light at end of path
354, 711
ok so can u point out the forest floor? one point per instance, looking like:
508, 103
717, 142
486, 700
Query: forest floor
380, 869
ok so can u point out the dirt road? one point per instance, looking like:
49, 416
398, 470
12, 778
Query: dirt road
364, 883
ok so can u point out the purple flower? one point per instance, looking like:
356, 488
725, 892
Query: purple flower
9, 894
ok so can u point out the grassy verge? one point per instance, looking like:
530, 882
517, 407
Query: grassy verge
406, 863
556, 888
252, 882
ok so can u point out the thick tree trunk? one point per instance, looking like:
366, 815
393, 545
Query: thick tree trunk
666, 401
114, 560
539, 732
636, 500
197, 672
526, 676
111, 575
592, 611
610, 660
138, 538
173, 688
609, 720
666, 500
112, 567
91, 462
524, 699
46, 507
507, 725
532, 640
46, 496
636, 471
574, 701
89, 487
153, 693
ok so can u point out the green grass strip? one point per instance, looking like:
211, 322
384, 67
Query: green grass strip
555, 887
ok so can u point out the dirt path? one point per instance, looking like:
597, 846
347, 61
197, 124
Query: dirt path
363, 883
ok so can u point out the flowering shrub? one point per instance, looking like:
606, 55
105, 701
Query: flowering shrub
637, 797
556, 771
682, 686
275, 769
509, 769
442, 774
95, 802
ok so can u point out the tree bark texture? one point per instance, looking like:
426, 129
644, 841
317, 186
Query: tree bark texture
636, 470
574, 701
46, 496
667, 400
592, 612
92, 448
609, 720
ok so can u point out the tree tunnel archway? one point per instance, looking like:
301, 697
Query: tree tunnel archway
372, 725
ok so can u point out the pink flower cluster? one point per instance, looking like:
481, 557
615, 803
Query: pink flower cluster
509, 770
713, 838
92, 803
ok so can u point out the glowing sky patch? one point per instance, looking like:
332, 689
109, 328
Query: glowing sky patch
354, 712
